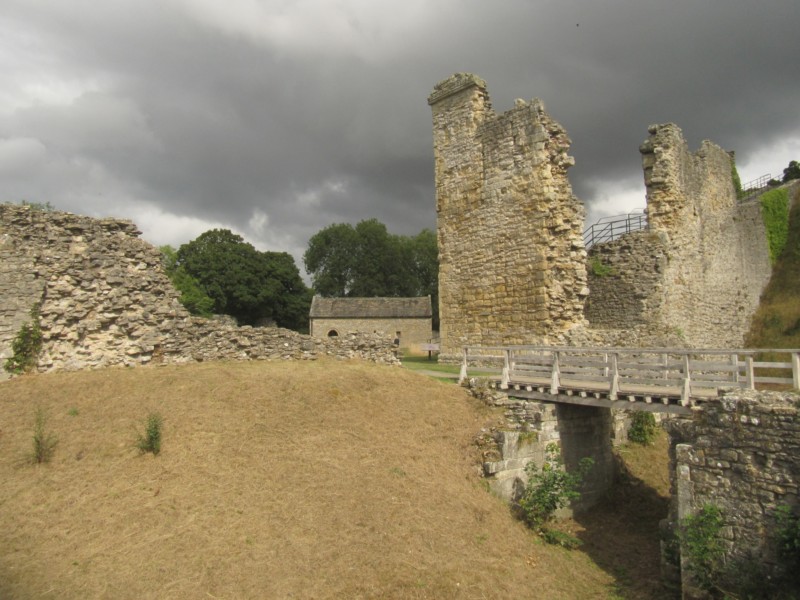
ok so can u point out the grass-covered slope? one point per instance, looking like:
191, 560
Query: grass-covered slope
275, 480
776, 323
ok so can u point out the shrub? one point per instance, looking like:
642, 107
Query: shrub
775, 212
26, 346
700, 538
549, 489
151, 440
643, 428
44, 442
599, 269
789, 543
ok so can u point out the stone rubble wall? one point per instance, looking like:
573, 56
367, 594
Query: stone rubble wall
716, 247
530, 426
740, 454
511, 257
104, 300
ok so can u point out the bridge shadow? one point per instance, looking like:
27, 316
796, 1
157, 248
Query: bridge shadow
621, 535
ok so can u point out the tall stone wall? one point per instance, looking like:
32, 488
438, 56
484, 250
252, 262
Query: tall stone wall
740, 454
511, 257
699, 271
104, 300
718, 258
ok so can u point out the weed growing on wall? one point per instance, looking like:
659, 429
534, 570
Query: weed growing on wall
775, 212
643, 428
150, 441
700, 539
599, 269
26, 346
44, 442
549, 489
737, 181
789, 544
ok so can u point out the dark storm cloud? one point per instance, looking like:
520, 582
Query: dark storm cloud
279, 118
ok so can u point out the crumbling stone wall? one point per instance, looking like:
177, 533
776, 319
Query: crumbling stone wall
718, 254
740, 454
104, 300
511, 257
699, 271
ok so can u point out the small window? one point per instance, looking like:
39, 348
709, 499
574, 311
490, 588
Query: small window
333, 333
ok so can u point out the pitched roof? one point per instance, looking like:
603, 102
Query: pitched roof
371, 308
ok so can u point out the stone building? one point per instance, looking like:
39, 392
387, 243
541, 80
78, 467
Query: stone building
409, 319
511, 257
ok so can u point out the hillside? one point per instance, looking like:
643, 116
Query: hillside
276, 480
776, 323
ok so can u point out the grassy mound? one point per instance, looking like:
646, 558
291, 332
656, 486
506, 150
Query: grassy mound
275, 480
776, 323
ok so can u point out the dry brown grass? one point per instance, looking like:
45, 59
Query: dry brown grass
275, 480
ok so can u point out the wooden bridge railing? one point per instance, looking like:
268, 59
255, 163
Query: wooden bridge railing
647, 372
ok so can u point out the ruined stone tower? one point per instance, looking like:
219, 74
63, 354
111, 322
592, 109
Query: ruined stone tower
511, 257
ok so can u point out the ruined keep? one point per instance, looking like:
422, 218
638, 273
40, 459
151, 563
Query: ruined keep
511, 257
701, 266
103, 299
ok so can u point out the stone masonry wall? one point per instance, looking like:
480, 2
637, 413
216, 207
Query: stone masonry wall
413, 332
105, 300
740, 454
511, 257
718, 259
626, 280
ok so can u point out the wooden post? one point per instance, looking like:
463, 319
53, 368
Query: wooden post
796, 370
750, 379
504, 378
555, 377
462, 376
613, 386
605, 360
665, 363
687, 382
735, 365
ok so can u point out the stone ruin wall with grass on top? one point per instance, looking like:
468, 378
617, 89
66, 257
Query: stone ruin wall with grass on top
105, 300
511, 257
699, 271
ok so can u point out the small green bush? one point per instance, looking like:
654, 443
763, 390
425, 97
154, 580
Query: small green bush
789, 543
599, 269
151, 440
549, 489
26, 346
700, 538
643, 428
775, 213
44, 442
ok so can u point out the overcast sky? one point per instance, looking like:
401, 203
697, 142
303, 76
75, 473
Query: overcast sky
277, 118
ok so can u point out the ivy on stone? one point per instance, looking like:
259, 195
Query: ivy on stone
775, 213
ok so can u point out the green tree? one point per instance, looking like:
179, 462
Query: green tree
193, 297
792, 171
245, 283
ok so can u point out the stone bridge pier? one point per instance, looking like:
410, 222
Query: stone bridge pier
532, 426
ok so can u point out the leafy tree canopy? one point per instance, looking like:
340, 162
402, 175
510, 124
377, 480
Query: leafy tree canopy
792, 171
365, 260
245, 283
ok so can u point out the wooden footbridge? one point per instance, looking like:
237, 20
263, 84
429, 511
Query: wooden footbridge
652, 379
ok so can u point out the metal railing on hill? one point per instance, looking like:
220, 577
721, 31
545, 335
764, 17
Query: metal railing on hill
610, 228
754, 187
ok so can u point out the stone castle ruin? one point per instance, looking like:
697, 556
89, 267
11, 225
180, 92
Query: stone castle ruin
103, 299
513, 268
511, 257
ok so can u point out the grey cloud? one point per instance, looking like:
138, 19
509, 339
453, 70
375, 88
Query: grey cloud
320, 116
